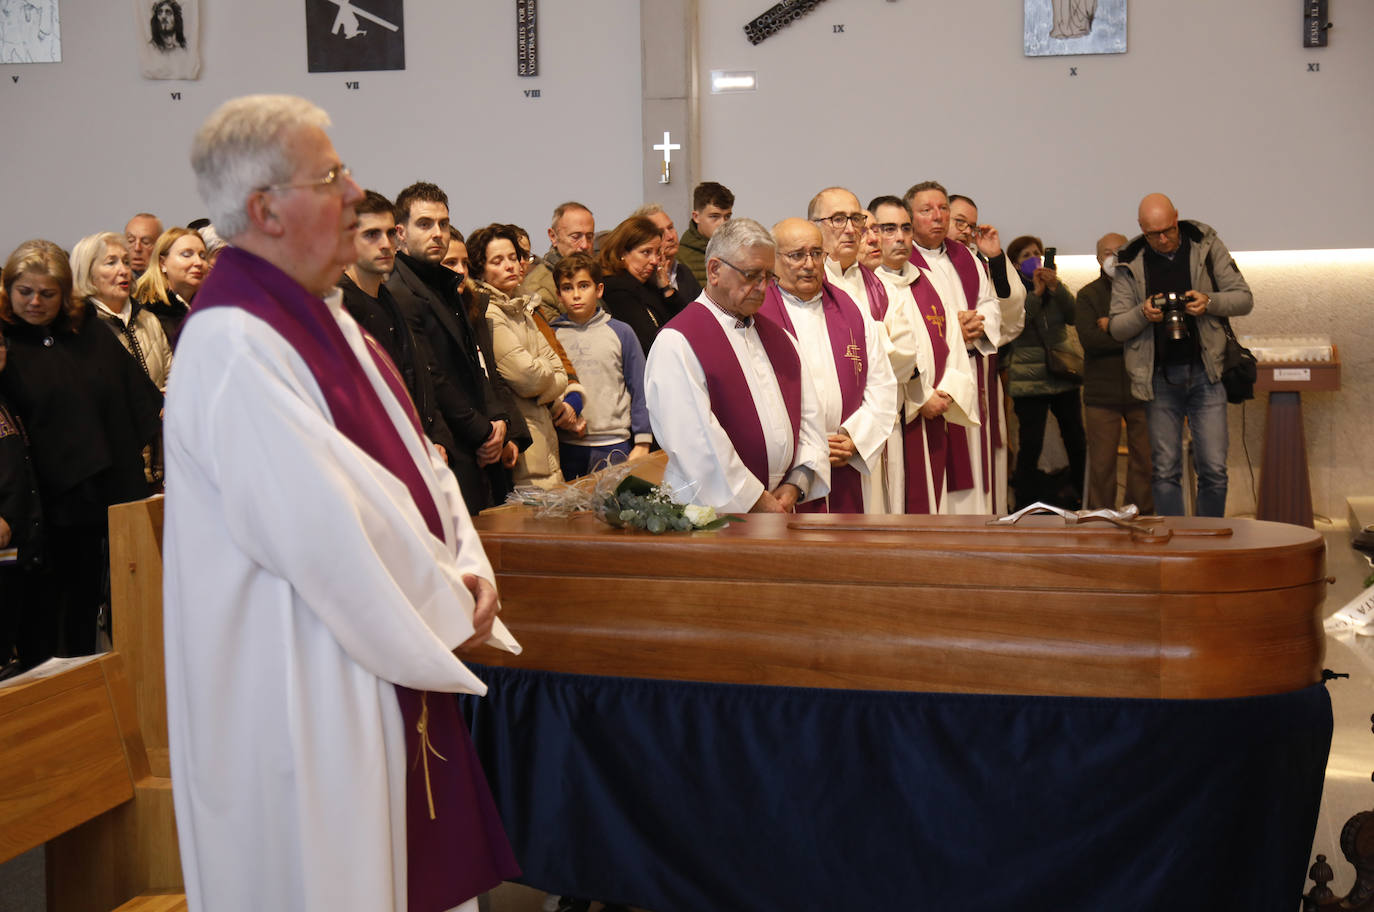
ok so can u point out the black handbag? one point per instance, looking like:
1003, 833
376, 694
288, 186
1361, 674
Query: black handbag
1238, 367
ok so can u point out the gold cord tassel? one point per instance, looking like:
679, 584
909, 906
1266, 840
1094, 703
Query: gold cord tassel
426, 748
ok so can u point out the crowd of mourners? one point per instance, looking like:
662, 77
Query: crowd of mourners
524, 369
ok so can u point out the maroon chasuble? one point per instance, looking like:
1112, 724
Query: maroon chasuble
462, 851
960, 462
731, 402
844, 323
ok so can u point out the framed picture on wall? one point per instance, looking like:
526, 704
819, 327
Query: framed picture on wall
30, 32
1060, 27
169, 38
343, 36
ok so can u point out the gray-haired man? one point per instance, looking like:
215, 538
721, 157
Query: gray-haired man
319, 567
730, 399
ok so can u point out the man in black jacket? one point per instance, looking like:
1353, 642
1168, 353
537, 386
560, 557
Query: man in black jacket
473, 399
367, 300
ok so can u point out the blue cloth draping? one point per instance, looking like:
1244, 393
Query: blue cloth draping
682, 797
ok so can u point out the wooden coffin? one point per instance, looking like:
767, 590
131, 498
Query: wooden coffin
1175, 608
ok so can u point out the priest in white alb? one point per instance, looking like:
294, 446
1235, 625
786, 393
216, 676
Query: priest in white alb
966, 293
320, 568
985, 243
849, 235
730, 399
847, 361
941, 392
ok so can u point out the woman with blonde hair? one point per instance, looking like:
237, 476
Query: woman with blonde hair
101, 275
89, 411
176, 267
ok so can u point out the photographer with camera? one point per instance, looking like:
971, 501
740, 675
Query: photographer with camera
1172, 286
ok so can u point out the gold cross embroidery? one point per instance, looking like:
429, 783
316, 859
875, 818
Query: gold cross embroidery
853, 354
938, 320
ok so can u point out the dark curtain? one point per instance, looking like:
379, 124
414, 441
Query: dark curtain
685, 797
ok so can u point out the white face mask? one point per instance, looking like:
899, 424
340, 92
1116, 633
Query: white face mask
1109, 264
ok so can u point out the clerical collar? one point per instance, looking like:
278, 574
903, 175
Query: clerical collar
788, 296
932, 250
832, 264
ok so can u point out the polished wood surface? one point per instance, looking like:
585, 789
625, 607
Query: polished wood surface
1285, 492
136, 615
1199, 608
156, 902
64, 753
1287, 376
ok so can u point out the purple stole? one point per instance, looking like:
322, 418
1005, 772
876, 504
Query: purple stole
459, 849
992, 396
935, 431
960, 462
877, 293
731, 401
844, 323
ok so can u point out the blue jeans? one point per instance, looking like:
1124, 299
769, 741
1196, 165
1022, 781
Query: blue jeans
576, 460
1183, 390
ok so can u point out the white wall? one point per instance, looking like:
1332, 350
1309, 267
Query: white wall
1271, 155
88, 142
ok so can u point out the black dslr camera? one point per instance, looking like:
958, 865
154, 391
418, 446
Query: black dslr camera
1175, 310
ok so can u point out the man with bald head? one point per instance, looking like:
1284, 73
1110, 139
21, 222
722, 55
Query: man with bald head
843, 223
845, 356
571, 231
1175, 365
1107, 399
730, 399
141, 234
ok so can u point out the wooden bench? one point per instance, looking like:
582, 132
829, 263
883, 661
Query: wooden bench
83, 757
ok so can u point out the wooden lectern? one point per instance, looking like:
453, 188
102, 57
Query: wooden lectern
1285, 493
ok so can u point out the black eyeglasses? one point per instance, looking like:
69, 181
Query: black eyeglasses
838, 220
753, 276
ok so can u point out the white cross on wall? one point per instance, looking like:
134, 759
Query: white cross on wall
666, 147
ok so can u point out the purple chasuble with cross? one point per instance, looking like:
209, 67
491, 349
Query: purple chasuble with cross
731, 401
960, 462
461, 850
844, 324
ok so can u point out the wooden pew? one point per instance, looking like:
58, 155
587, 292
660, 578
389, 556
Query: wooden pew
74, 774
83, 752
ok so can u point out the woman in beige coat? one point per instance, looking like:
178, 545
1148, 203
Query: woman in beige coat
523, 356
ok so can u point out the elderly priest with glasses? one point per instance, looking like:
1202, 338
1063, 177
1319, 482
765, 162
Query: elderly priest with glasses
320, 568
730, 399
